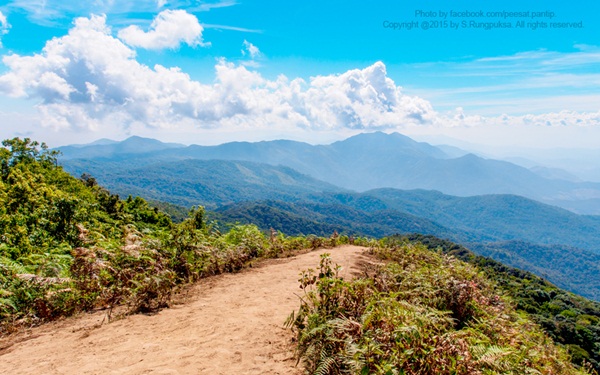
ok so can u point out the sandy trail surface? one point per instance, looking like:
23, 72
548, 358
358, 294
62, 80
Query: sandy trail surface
229, 324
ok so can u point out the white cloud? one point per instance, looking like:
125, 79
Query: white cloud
542, 60
514, 124
363, 99
253, 55
251, 50
3, 22
89, 79
4, 26
169, 29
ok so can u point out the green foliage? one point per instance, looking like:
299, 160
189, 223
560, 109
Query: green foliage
197, 217
18, 150
69, 245
177, 213
570, 320
421, 313
248, 237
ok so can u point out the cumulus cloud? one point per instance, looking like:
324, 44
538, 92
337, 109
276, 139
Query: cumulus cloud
4, 26
169, 29
363, 99
89, 79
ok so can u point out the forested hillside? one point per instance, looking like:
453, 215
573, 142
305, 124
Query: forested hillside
306, 217
211, 183
568, 267
498, 217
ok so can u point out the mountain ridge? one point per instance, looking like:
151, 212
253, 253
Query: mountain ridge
369, 161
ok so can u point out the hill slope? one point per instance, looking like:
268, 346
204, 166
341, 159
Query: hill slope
488, 218
551, 242
567, 267
210, 183
105, 148
498, 217
305, 217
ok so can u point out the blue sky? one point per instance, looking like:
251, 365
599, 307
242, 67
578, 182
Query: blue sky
210, 72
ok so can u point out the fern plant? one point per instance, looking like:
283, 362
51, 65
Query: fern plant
421, 313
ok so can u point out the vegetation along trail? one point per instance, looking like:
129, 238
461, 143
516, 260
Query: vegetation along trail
230, 324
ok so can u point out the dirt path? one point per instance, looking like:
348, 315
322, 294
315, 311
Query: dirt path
232, 324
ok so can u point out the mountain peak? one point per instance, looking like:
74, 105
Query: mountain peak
137, 140
378, 136
389, 143
105, 148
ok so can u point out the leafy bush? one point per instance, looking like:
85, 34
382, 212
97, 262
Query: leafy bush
422, 313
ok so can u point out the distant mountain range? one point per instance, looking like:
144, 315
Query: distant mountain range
354, 187
367, 161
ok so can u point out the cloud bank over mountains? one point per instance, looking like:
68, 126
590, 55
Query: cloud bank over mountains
89, 78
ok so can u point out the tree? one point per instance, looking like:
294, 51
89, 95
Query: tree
196, 214
25, 150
